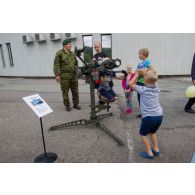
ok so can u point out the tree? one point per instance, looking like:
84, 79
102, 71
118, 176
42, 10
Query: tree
88, 54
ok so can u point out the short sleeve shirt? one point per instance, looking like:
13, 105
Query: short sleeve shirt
100, 55
141, 65
149, 100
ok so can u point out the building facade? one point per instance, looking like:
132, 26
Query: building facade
32, 55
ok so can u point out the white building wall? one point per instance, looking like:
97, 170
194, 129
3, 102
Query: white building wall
29, 60
170, 54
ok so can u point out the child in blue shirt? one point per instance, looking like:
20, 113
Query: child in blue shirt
105, 87
151, 110
143, 64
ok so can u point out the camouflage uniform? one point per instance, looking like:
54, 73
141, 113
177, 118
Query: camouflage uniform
65, 66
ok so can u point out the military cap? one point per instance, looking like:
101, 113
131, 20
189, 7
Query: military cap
66, 41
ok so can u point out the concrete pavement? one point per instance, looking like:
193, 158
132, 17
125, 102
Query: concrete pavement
20, 134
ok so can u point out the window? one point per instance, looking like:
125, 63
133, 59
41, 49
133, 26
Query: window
106, 41
2, 55
88, 44
10, 54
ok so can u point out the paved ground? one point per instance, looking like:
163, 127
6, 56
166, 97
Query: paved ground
20, 134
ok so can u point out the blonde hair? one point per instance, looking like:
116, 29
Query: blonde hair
144, 51
151, 76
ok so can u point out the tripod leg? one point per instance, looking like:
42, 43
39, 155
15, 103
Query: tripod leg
109, 132
71, 124
104, 116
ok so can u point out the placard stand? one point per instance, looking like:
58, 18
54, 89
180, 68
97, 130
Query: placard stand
46, 157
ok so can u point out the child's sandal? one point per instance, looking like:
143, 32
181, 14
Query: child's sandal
155, 152
145, 155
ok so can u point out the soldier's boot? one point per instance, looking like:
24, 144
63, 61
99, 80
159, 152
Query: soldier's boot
68, 109
77, 107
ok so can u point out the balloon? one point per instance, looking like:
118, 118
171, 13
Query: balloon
190, 91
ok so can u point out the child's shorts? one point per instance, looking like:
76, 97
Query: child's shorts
109, 94
150, 124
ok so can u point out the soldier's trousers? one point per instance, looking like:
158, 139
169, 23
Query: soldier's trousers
71, 84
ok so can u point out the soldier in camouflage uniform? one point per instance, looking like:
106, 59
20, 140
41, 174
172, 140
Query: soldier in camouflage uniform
65, 68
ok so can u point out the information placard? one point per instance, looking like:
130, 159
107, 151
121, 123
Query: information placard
38, 105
